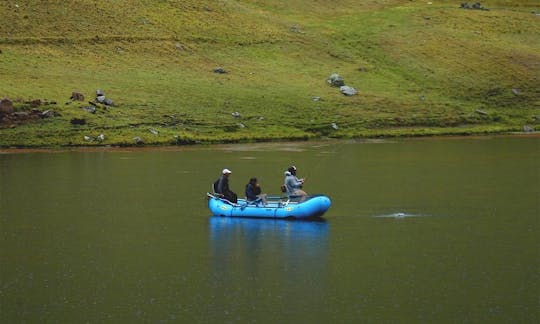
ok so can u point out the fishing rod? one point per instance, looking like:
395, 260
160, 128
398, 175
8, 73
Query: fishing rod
313, 169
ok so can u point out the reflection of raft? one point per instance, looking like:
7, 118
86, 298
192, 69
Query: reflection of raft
312, 206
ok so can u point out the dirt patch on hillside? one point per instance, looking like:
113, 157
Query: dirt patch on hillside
18, 112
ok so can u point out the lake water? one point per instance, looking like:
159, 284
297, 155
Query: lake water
420, 230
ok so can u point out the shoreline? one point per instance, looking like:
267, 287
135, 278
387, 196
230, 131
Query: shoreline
164, 148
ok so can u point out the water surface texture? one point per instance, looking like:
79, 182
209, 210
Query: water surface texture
422, 230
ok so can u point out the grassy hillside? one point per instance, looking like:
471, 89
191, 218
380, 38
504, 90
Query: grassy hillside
420, 68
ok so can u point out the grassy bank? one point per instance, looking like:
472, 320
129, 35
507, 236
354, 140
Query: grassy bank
420, 69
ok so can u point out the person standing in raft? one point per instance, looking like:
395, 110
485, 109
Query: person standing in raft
221, 186
293, 184
254, 192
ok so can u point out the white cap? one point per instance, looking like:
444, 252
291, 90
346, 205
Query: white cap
226, 171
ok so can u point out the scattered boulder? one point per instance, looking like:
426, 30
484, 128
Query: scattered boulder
101, 137
6, 106
296, 29
48, 113
335, 80
240, 125
153, 131
516, 91
138, 140
100, 97
88, 138
21, 114
335, 126
236, 114
481, 112
316, 99
90, 109
528, 129
179, 47
473, 6
220, 70
348, 91
76, 96
78, 121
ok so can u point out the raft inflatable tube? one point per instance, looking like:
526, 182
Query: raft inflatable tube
276, 207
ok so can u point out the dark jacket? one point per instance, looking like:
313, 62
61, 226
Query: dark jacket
252, 192
222, 186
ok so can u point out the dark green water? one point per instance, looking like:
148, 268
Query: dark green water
435, 230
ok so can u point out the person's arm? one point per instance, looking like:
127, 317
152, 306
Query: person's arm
250, 195
257, 191
292, 182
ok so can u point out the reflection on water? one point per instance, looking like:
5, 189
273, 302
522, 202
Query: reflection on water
251, 256
243, 237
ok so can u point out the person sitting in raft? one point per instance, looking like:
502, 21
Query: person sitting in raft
221, 186
253, 192
293, 185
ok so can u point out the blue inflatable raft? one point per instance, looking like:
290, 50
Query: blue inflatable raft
276, 207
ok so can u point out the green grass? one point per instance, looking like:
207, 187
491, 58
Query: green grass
427, 69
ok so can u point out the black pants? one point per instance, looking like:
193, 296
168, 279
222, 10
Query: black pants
231, 196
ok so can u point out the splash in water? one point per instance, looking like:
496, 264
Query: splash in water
399, 215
